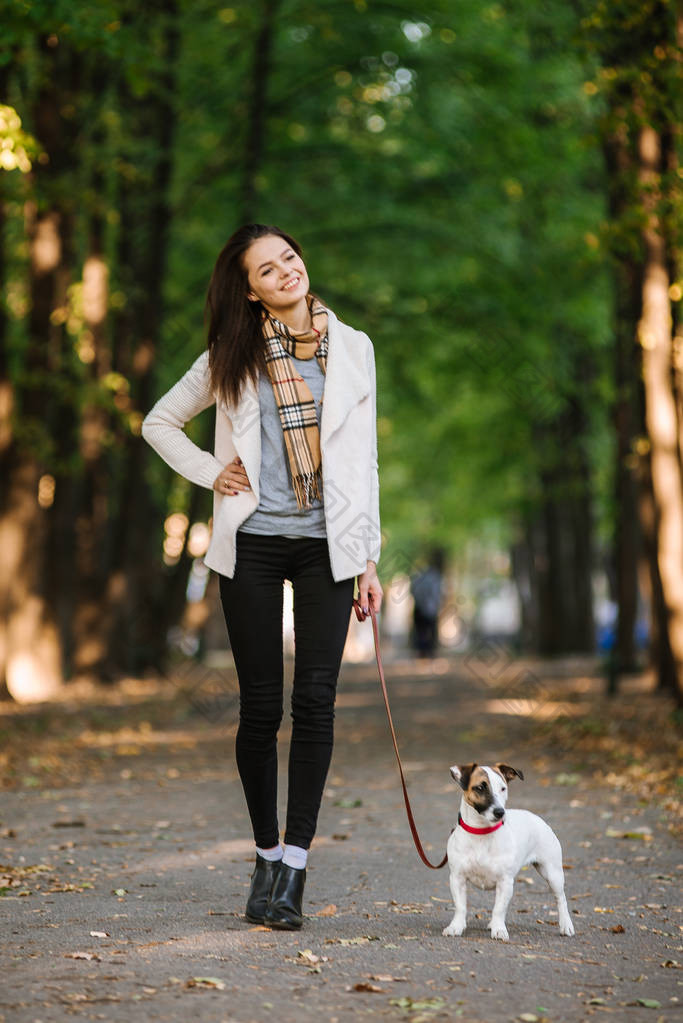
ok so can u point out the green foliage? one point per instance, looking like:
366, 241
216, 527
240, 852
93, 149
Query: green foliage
436, 162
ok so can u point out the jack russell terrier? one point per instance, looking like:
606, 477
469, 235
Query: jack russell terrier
490, 845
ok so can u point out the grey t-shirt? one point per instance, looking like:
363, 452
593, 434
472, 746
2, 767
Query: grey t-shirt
277, 513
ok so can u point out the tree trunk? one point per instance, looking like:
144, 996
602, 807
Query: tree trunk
560, 539
257, 114
661, 657
655, 337
137, 586
625, 413
33, 667
627, 532
92, 618
36, 529
6, 406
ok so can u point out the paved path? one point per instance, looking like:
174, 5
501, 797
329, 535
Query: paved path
126, 858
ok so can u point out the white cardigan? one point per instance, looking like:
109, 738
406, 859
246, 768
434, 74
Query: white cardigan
348, 441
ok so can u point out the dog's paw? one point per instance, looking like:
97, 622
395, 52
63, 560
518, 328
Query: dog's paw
567, 928
499, 932
454, 930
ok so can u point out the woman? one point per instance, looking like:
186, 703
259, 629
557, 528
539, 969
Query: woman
296, 496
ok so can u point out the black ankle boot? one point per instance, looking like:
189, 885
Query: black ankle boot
284, 909
262, 881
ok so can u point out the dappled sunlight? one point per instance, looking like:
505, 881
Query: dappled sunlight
195, 943
354, 698
95, 289
411, 666
33, 669
208, 855
132, 741
543, 710
46, 248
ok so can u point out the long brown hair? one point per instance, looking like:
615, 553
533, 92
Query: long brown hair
235, 340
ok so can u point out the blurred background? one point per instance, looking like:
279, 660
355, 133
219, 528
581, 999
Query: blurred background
491, 190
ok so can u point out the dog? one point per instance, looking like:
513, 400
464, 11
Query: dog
490, 845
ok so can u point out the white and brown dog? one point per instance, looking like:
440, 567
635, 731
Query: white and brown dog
490, 845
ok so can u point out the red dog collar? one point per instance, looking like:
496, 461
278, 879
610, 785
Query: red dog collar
480, 831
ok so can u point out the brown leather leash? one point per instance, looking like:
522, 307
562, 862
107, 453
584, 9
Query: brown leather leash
361, 616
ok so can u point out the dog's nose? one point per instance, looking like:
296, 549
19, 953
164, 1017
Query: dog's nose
498, 812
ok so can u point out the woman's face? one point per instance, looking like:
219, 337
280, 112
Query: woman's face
277, 275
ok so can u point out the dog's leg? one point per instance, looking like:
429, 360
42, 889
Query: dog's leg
459, 893
553, 874
504, 890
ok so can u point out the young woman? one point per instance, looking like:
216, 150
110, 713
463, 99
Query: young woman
294, 474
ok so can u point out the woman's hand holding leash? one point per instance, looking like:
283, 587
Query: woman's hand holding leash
233, 479
369, 590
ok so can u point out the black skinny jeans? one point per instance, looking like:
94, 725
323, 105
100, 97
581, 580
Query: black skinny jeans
252, 605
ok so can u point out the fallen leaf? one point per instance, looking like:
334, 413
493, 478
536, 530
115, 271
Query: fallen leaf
67, 888
363, 939
649, 1003
408, 907
82, 955
119, 891
672, 964
206, 982
309, 955
99, 934
423, 1003
348, 803
68, 824
386, 978
328, 910
618, 929
365, 985
566, 779
644, 834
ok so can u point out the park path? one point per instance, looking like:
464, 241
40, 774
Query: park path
125, 859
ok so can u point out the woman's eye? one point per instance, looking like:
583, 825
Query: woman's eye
265, 272
291, 255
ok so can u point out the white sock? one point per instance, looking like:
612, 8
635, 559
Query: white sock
295, 856
271, 854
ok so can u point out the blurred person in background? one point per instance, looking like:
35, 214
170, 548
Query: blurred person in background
426, 588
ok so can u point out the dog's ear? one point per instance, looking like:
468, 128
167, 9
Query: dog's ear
509, 772
462, 774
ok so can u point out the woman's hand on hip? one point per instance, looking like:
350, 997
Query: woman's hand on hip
370, 588
233, 479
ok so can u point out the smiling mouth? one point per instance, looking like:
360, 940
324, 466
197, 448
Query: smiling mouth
290, 285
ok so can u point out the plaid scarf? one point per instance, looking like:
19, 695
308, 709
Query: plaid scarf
293, 398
